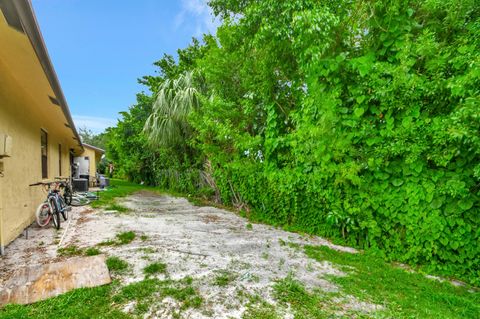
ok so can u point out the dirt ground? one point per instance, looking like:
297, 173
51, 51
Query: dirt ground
199, 242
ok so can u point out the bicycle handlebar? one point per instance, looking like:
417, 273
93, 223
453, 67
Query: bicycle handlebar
47, 183
36, 184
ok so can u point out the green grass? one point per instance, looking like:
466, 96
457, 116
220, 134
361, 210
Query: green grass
122, 238
155, 268
304, 303
116, 207
117, 189
116, 264
70, 251
260, 311
109, 242
73, 250
147, 291
107, 301
148, 250
125, 237
223, 278
404, 294
81, 303
92, 251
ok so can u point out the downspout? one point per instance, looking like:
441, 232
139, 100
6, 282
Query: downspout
2, 247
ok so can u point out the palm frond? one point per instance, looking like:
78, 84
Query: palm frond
176, 98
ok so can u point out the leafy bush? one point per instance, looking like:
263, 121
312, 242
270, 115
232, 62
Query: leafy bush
348, 119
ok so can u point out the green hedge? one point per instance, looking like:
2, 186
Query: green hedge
353, 120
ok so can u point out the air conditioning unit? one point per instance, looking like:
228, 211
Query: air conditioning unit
5, 145
80, 184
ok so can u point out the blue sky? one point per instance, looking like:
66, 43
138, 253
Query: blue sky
100, 47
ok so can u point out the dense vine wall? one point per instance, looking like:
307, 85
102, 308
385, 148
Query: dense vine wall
367, 122
356, 120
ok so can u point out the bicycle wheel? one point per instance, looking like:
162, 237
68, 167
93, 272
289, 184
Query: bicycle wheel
43, 214
63, 206
55, 212
80, 200
67, 195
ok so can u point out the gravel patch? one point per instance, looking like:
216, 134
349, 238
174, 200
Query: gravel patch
201, 242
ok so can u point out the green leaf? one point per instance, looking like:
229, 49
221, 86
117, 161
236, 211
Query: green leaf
407, 122
437, 202
360, 99
359, 111
466, 203
454, 244
397, 182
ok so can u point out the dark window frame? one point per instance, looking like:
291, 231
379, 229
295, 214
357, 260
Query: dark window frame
60, 160
44, 153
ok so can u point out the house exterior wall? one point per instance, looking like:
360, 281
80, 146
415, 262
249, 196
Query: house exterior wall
93, 160
30, 101
20, 119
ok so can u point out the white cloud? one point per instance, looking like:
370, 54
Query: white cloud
198, 15
93, 123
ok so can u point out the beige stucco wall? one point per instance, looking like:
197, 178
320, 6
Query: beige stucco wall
19, 201
25, 109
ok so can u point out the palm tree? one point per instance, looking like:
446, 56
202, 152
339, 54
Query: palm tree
176, 98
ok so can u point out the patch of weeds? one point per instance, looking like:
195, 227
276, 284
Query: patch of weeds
223, 278
116, 264
107, 243
265, 255
155, 268
41, 243
141, 308
282, 242
256, 306
125, 237
262, 311
73, 250
150, 290
120, 239
208, 313
92, 251
148, 250
116, 207
249, 226
303, 303
404, 294
255, 278
144, 237
294, 246
70, 251
118, 188
137, 291
310, 267
93, 302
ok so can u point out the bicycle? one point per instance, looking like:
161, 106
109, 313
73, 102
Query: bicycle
83, 198
53, 206
67, 189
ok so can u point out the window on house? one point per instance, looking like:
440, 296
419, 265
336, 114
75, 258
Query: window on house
59, 159
44, 140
